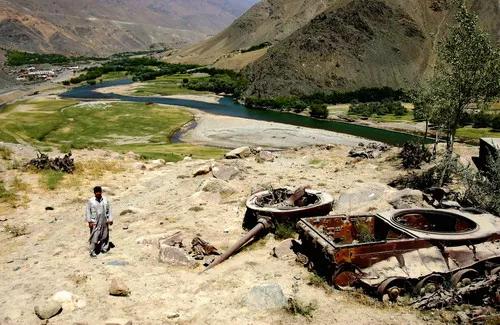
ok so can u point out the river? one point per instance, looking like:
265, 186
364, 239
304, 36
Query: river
227, 106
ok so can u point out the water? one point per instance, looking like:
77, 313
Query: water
227, 106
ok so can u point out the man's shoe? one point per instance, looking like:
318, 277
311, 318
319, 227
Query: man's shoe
104, 251
93, 254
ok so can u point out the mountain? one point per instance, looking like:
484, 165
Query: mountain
269, 21
102, 27
334, 45
360, 43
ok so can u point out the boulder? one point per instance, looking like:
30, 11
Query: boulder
203, 170
48, 309
284, 250
157, 238
224, 172
448, 204
118, 288
174, 256
266, 297
118, 321
215, 185
263, 156
175, 239
68, 300
237, 153
354, 198
407, 199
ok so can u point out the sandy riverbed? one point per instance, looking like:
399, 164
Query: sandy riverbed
226, 131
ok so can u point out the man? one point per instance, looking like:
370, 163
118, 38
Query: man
99, 218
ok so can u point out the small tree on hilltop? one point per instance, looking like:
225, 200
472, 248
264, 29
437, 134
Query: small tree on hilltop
467, 73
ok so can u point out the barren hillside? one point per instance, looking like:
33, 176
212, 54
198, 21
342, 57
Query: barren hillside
109, 26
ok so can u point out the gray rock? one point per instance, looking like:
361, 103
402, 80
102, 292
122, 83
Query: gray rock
284, 250
174, 256
224, 172
118, 321
48, 309
118, 288
117, 263
407, 199
266, 296
263, 156
203, 170
356, 197
215, 185
241, 152
175, 239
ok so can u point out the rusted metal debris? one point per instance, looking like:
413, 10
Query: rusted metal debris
481, 292
64, 164
201, 248
268, 208
403, 251
287, 205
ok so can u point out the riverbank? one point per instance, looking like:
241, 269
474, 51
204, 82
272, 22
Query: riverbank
230, 132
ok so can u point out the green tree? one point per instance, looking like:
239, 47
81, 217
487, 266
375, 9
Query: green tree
467, 73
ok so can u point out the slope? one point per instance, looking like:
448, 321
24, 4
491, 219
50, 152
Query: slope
356, 44
108, 26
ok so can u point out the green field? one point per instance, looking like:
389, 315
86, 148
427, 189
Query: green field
64, 124
343, 109
166, 86
469, 132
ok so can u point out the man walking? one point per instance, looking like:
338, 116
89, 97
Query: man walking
98, 216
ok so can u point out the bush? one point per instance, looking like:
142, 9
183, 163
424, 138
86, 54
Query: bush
319, 111
482, 188
284, 231
378, 108
297, 307
495, 123
413, 155
481, 120
66, 82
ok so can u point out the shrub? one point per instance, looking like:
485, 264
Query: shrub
495, 123
413, 155
16, 231
318, 111
66, 82
378, 108
481, 120
51, 179
284, 231
297, 307
5, 153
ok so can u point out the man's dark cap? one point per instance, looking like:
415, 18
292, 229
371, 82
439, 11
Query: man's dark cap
97, 189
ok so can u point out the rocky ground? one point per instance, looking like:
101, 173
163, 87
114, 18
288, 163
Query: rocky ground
151, 200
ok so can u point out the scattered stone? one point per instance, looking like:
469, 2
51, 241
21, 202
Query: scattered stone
48, 309
407, 199
118, 321
224, 172
370, 151
132, 155
118, 288
173, 315
215, 185
117, 263
175, 239
62, 297
125, 227
154, 239
266, 296
284, 250
237, 153
188, 158
128, 211
3, 219
108, 191
49, 209
174, 256
264, 156
203, 170
140, 166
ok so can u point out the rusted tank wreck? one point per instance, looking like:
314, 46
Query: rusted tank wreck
404, 251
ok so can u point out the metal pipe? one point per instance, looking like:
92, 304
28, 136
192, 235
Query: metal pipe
262, 224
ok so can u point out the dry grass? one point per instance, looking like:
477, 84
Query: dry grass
5, 153
96, 168
16, 230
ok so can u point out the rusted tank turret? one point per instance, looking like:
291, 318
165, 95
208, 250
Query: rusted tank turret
411, 251
266, 209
